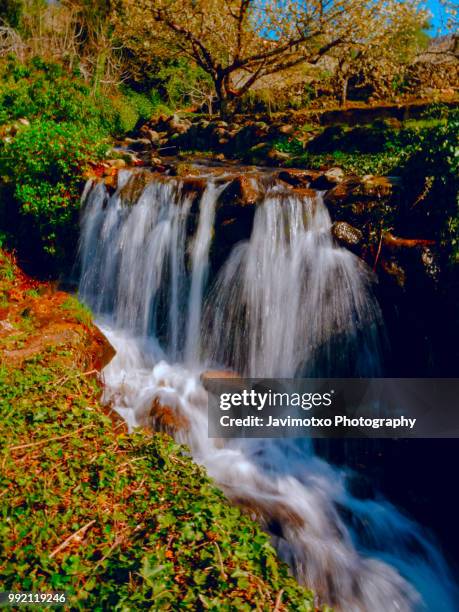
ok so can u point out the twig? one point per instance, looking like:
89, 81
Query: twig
378, 253
60, 381
278, 601
44, 441
220, 558
71, 537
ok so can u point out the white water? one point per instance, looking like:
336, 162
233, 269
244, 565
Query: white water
287, 302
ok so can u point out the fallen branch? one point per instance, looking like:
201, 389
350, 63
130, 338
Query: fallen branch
394, 242
220, 559
378, 253
64, 379
74, 536
46, 440
278, 601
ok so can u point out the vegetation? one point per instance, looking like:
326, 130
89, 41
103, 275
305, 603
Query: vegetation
54, 128
129, 521
117, 521
238, 44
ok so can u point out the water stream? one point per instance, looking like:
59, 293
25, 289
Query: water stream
286, 302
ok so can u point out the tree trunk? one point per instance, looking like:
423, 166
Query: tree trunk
227, 106
344, 92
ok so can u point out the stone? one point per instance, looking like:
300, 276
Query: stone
117, 163
328, 179
297, 178
286, 129
377, 186
305, 192
242, 191
167, 419
132, 159
134, 188
153, 136
346, 234
210, 380
177, 125
278, 156
339, 195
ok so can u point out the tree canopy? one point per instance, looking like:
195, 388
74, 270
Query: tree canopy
237, 42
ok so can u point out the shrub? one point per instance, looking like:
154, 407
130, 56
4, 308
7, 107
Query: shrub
43, 168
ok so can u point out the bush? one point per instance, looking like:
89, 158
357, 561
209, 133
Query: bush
43, 163
43, 168
44, 90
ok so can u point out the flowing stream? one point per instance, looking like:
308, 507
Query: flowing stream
286, 302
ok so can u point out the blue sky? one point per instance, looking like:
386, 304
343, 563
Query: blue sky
438, 17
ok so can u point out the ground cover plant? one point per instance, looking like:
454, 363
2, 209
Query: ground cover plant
117, 521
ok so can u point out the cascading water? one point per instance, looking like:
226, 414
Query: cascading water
287, 302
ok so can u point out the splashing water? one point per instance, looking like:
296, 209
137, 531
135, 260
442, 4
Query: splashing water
287, 302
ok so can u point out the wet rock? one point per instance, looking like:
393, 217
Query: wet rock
297, 178
132, 159
193, 184
135, 186
140, 144
347, 235
79, 344
242, 191
377, 186
353, 189
166, 418
177, 125
394, 270
210, 380
278, 156
328, 179
395, 243
117, 163
305, 192
151, 135
286, 129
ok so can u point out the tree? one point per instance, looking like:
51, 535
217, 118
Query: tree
237, 42
380, 61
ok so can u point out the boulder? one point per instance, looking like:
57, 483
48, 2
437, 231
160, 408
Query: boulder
278, 156
134, 187
177, 125
210, 380
328, 179
167, 419
286, 129
305, 192
297, 178
346, 234
242, 191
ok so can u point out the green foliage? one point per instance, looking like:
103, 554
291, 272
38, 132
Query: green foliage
431, 168
77, 310
180, 82
423, 152
44, 90
43, 166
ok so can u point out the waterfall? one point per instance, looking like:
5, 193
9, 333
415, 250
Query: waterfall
286, 302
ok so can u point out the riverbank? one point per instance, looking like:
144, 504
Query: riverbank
128, 520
